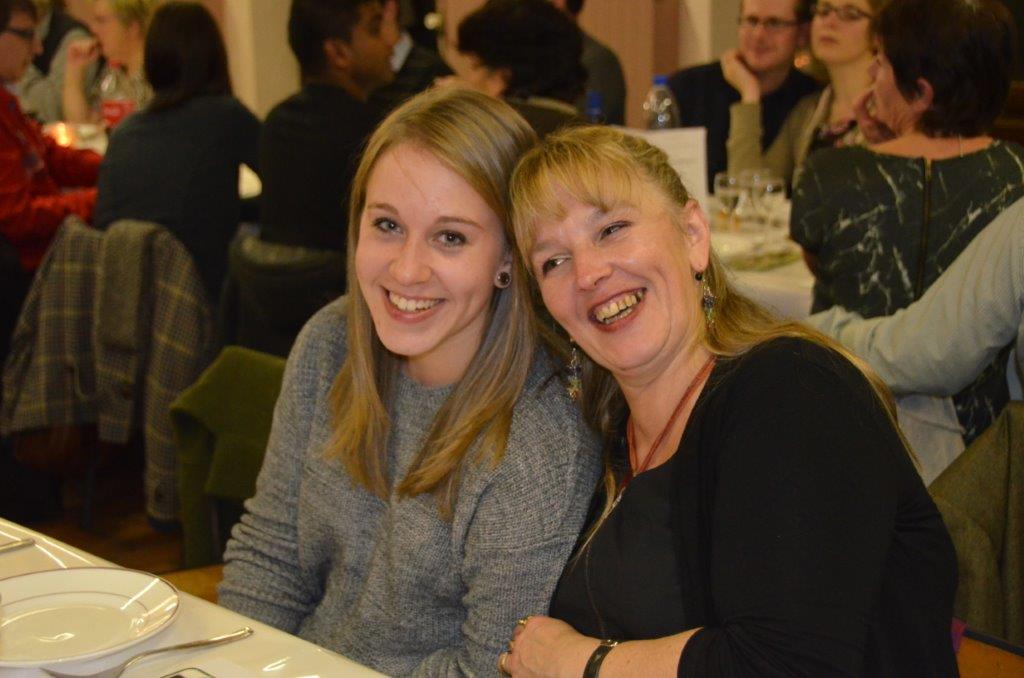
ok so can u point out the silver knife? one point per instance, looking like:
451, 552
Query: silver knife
15, 545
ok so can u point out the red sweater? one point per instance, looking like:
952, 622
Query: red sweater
34, 173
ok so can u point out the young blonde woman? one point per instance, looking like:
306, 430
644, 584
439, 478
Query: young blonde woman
841, 41
762, 516
426, 475
119, 27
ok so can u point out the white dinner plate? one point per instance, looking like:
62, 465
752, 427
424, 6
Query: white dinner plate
48, 618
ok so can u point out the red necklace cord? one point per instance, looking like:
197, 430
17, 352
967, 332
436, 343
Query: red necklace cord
634, 459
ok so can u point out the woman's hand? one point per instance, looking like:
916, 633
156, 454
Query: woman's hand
874, 130
81, 53
548, 648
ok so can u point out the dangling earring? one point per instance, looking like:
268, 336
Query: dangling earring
707, 298
503, 280
575, 382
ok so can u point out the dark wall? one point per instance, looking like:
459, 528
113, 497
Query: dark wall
1017, 9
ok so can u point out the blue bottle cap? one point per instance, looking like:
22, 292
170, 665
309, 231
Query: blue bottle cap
661, 80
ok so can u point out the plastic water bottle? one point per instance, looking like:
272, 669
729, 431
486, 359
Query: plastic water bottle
117, 96
594, 111
660, 108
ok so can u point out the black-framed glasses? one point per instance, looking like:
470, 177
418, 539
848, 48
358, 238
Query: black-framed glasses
771, 24
28, 34
847, 13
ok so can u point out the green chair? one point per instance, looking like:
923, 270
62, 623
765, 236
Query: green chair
221, 426
981, 498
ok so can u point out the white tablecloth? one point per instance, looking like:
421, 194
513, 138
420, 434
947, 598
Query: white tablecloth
267, 652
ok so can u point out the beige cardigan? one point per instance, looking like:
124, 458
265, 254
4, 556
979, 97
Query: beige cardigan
788, 151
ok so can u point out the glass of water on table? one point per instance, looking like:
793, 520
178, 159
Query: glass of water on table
769, 195
727, 194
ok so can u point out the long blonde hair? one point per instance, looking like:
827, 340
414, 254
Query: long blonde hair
604, 167
480, 139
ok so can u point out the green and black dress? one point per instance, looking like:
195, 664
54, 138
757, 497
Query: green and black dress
884, 227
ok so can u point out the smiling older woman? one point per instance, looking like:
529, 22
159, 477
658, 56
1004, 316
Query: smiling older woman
760, 515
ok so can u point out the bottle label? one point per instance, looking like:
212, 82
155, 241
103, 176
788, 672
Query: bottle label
115, 110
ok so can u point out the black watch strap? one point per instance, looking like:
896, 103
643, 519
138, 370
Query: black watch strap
593, 668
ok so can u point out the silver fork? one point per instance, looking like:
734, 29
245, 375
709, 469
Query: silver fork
115, 671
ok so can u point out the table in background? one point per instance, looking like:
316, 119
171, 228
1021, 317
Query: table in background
269, 651
93, 138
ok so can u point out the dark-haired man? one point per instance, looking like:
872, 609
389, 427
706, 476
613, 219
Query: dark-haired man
312, 140
416, 67
756, 77
604, 72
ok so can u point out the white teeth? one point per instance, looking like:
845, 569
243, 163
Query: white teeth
618, 308
411, 305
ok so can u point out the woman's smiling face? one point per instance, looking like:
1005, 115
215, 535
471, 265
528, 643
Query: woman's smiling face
429, 251
621, 281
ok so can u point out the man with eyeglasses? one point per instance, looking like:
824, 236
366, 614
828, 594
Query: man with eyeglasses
36, 175
758, 73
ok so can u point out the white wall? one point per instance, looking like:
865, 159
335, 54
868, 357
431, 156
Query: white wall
263, 69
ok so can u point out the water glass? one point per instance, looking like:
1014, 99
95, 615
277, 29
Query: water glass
727, 194
769, 193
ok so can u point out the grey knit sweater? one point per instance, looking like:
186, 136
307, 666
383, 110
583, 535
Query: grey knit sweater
389, 583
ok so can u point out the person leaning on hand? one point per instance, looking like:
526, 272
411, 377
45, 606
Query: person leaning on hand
760, 513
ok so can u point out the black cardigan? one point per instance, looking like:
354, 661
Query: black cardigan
807, 544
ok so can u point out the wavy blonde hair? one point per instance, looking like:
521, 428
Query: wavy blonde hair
480, 139
604, 167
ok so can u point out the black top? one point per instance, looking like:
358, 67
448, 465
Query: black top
309, 153
704, 97
800, 539
179, 168
895, 226
417, 74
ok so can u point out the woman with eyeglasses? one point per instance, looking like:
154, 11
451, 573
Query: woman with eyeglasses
841, 42
879, 224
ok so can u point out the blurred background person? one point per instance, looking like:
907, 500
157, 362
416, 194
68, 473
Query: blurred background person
529, 53
42, 88
312, 140
176, 162
309, 151
754, 86
841, 41
604, 72
119, 27
41, 183
878, 225
416, 67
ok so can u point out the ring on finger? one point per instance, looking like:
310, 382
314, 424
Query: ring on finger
502, 658
522, 620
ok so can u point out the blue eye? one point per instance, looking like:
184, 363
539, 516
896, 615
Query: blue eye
384, 224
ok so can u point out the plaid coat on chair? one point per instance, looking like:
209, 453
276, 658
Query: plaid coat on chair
115, 326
